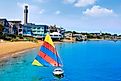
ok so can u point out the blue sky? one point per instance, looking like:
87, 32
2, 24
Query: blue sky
78, 15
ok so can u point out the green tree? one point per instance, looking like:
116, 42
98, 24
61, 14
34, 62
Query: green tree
1, 28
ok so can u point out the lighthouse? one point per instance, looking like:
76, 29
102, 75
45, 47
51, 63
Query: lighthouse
26, 15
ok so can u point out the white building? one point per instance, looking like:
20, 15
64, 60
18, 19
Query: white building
56, 35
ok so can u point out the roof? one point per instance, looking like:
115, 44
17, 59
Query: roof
55, 33
15, 21
3, 19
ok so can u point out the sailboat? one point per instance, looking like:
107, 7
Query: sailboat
48, 56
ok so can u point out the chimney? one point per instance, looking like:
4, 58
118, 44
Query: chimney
26, 15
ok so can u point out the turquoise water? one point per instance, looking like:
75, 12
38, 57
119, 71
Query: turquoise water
83, 61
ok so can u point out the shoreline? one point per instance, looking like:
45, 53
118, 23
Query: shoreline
14, 54
11, 49
99, 39
14, 49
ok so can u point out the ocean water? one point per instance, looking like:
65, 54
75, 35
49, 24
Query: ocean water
83, 61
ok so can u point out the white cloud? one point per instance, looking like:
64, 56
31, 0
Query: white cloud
83, 3
80, 3
98, 11
42, 11
21, 5
69, 1
57, 12
38, 1
32, 8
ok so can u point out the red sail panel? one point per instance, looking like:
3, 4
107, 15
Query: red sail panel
48, 59
50, 47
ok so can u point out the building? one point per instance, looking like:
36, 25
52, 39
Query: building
26, 15
68, 35
37, 31
16, 27
11, 27
56, 32
56, 35
61, 31
30, 29
5, 24
80, 37
52, 29
27, 29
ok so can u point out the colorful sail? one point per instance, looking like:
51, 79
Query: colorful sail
47, 55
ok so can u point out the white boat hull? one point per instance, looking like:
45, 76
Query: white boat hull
58, 71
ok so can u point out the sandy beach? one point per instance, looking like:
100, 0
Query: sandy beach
10, 49
7, 49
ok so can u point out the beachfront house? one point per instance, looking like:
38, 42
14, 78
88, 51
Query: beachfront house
52, 28
68, 35
5, 24
27, 29
37, 31
16, 27
56, 35
56, 32
61, 31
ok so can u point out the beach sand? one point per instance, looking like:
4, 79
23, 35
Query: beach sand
11, 49
8, 49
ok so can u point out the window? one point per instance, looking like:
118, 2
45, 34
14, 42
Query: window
38, 31
33, 31
34, 28
38, 28
20, 30
55, 35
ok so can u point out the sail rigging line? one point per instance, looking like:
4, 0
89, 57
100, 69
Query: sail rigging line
59, 59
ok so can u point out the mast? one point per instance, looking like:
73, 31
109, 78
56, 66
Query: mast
57, 59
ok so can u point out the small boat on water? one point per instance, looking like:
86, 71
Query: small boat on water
58, 72
48, 56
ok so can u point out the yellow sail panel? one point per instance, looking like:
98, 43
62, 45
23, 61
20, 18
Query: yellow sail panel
35, 62
49, 40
